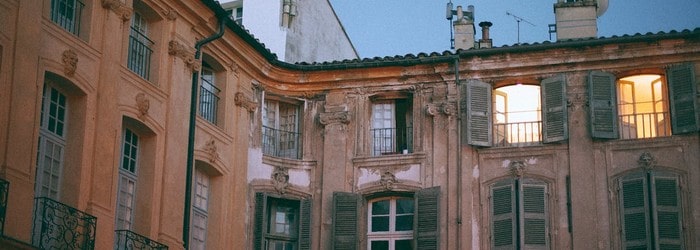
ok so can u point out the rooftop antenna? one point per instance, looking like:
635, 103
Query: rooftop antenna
519, 19
449, 15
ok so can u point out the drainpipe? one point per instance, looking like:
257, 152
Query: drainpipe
190, 139
459, 153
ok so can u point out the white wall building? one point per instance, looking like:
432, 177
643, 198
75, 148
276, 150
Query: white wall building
296, 31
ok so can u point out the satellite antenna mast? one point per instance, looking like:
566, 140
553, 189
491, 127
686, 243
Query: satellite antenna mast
448, 15
519, 19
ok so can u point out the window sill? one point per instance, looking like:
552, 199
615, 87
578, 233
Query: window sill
388, 160
287, 162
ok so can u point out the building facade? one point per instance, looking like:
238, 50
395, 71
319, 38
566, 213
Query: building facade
578, 144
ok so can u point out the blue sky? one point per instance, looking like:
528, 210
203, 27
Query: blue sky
400, 27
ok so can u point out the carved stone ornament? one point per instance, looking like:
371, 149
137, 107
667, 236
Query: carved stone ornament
175, 48
517, 168
242, 101
234, 68
119, 8
388, 180
577, 101
646, 161
431, 109
70, 62
280, 179
342, 117
449, 108
212, 150
170, 14
142, 105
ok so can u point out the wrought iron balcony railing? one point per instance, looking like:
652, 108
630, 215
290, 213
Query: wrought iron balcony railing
208, 101
59, 226
280, 143
140, 51
4, 191
386, 141
128, 240
648, 125
67, 13
517, 134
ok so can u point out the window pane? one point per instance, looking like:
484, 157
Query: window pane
380, 245
380, 207
404, 206
404, 223
380, 224
403, 245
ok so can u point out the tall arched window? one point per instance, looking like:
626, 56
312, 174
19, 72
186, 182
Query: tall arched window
52, 142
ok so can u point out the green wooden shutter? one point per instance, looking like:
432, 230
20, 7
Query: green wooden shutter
667, 212
682, 91
602, 99
503, 230
427, 229
260, 219
634, 214
534, 226
479, 129
305, 225
554, 113
345, 218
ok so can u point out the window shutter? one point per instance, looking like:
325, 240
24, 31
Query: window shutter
667, 212
602, 99
478, 104
305, 225
633, 210
554, 113
345, 219
682, 90
503, 215
260, 224
427, 229
533, 219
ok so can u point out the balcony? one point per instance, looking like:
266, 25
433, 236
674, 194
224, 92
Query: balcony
389, 141
67, 13
59, 226
517, 134
280, 143
126, 239
208, 101
140, 51
647, 125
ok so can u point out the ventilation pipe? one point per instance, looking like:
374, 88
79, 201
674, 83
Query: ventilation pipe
485, 41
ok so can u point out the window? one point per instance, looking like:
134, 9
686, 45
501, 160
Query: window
390, 223
281, 136
208, 94
392, 126
519, 214
140, 46
650, 211
67, 13
393, 222
52, 142
282, 224
199, 209
649, 105
128, 170
515, 115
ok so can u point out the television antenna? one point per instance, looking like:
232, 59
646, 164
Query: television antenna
519, 19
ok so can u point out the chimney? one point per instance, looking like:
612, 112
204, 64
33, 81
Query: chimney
464, 28
485, 41
578, 18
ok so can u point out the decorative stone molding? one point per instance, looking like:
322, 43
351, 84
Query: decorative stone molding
70, 62
646, 161
242, 101
175, 48
234, 68
280, 179
577, 101
170, 14
431, 109
118, 8
142, 105
342, 117
388, 179
449, 108
517, 168
212, 150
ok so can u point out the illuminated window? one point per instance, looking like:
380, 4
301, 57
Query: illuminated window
517, 115
642, 107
